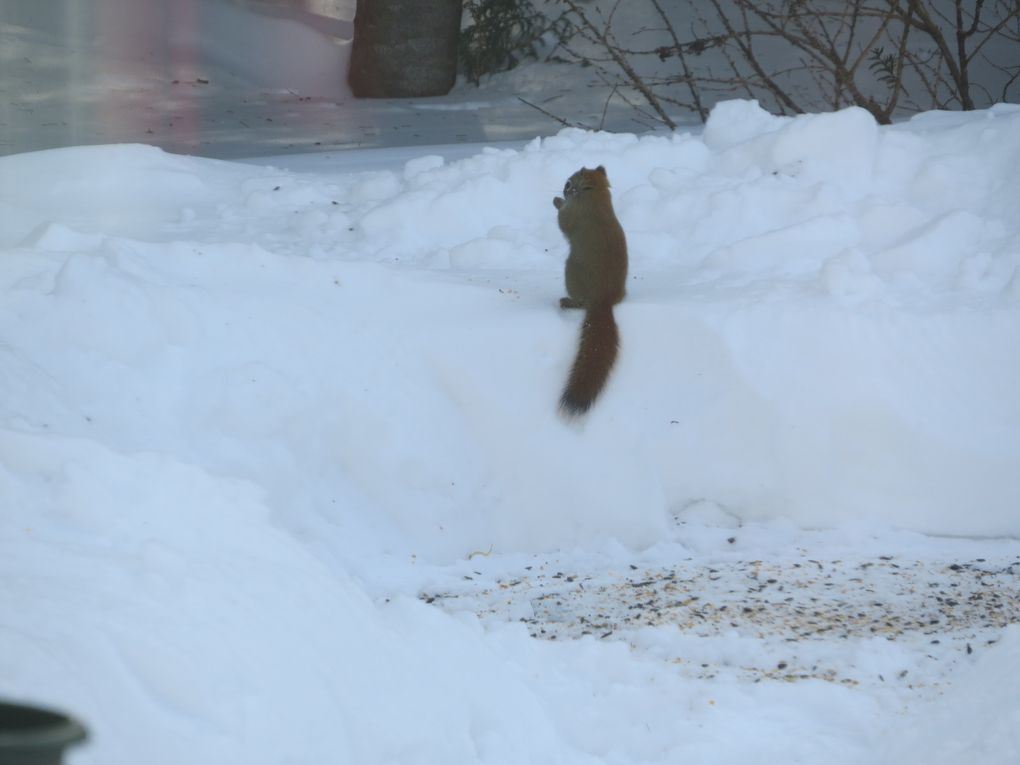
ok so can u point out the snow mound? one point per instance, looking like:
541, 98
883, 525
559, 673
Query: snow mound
166, 591
814, 329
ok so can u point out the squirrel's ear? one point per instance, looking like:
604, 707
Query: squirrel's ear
600, 169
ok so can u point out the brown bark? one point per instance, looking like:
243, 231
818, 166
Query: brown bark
404, 48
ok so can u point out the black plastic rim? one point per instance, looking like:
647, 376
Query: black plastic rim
28, 727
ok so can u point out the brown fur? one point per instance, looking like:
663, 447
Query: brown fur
596, 276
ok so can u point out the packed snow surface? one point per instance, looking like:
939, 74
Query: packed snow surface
284, 480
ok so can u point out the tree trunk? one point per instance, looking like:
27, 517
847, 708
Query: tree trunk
404, 48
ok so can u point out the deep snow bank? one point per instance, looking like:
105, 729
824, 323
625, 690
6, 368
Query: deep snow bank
819, 325
160, 604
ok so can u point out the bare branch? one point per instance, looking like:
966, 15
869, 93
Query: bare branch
605, 107
744, 44
548, 114
691, 82
603, 37
886, 56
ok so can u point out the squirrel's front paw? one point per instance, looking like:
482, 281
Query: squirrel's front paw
558, 202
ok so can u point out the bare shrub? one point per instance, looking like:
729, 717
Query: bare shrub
891, 57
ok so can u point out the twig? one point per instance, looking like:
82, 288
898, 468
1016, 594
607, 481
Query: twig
604, 38
605, 107
691, 82
548, 114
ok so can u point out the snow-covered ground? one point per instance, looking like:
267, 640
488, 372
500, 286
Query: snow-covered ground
281, 471
283, 477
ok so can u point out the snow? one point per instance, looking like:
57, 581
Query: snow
284, 480
956, 728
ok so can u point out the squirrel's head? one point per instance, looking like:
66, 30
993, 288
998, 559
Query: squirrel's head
586, 180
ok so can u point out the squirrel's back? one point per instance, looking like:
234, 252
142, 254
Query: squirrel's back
596, 276
596, 268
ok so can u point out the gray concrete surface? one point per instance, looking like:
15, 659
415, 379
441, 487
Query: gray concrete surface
216, 78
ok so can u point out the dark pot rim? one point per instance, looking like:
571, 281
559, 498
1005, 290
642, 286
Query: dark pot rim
39, 728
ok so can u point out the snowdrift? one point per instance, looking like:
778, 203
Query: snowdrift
819, 325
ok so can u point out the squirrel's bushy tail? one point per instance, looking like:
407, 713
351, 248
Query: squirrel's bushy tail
596, 354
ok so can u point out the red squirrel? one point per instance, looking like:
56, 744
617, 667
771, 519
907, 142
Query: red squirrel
596, 274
